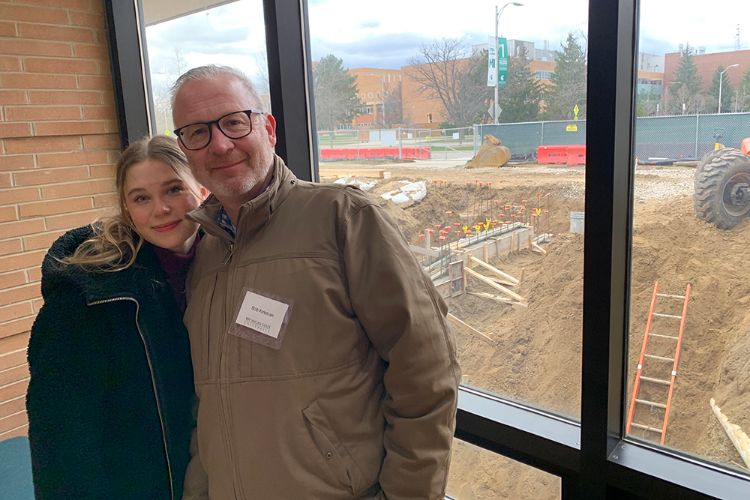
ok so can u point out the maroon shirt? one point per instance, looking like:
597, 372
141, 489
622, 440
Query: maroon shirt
175, 266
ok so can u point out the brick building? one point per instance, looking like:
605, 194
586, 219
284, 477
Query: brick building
59, 142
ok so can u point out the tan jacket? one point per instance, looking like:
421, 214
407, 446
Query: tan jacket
360, 400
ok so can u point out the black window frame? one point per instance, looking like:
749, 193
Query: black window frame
593, 458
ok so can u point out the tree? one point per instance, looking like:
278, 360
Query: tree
727, 92
335, 90
743, 93
568, 88
521, 96
685, 92
443, 71
393, 109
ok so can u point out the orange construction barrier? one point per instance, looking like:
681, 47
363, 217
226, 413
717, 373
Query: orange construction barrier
408, 153
574, 154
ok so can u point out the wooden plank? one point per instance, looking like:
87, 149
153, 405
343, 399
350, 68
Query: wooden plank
493, 269
736, 434
494, 285
471, 328
497, 298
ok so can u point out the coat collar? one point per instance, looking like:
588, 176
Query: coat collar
139, 280
255, 213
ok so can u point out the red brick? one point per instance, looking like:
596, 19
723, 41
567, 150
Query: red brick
66, 4
19, 294
108, 141
8, 213
33, 14
75, 158
50, 176
37, 81
13, 343
13, 422
13, 97
88, 20
15, 311
10, 246
12, 359
74, 127
16, 162
98, 171
42, 144
95, 82
5, 180
75, 220
37, 304
21, 228
33, 274
65, 97
15, 130
18, 432
7, 28
14, 327
13, 278
97, 186
106, 200
33, 47
96, 51
21, 261
55, 207
41, 241
38, 65
9, 63
12, 391
99, 113
17, 195
16, 404
61, 33
42, 113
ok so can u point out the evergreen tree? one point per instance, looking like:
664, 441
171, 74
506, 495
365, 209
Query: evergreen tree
685, 92
743, 93
522, 94
568, 82
335, 90
727, 92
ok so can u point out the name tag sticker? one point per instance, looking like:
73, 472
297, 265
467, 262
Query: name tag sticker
262, 314
261, 318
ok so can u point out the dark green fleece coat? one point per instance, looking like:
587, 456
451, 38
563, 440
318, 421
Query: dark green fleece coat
111, 391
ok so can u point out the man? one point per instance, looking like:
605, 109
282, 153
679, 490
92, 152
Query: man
323, 364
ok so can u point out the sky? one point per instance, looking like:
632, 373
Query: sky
389, 33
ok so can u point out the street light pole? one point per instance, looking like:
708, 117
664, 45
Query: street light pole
497, 56
721, 81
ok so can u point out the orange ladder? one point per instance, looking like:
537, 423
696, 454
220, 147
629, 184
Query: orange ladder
670, 381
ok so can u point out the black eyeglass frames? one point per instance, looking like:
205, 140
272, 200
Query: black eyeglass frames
235, 125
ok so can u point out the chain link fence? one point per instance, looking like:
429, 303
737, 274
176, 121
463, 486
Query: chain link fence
685, 137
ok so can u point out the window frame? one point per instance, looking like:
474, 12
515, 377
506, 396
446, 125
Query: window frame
593, 458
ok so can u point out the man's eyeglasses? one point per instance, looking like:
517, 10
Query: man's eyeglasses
234, 125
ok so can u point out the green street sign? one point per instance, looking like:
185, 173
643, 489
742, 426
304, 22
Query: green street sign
502, 61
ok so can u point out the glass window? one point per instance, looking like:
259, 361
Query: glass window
689, 322
504, 241
480, 474
232, 34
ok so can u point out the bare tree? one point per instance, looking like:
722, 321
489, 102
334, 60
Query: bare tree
444, 71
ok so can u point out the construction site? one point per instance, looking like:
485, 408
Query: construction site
504, 247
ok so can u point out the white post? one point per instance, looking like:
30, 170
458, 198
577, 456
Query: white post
497, 66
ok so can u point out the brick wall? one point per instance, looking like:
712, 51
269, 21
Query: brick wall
58, 145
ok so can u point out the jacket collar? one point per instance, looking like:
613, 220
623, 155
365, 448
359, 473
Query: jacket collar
134, 282
255, 213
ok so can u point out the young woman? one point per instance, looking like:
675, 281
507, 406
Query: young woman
111, 391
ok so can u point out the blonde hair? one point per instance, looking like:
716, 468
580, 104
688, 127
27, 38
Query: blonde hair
116, 243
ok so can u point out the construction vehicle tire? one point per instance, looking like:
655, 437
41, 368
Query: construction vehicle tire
722, 188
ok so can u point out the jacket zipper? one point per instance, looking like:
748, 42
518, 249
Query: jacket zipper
153, 383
